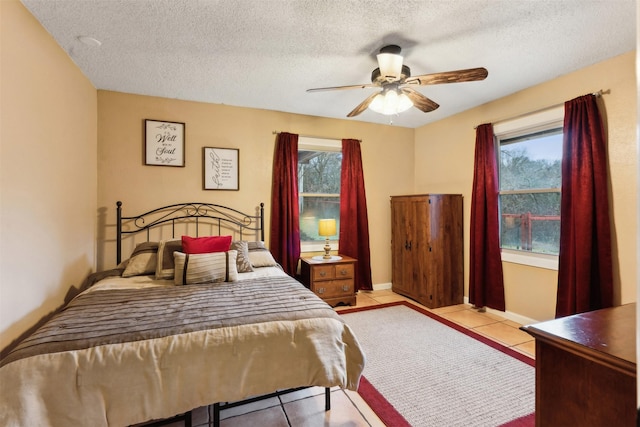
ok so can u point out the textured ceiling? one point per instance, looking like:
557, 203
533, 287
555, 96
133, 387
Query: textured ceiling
265, 54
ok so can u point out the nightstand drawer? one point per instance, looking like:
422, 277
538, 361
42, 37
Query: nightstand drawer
333, 288
344, 271
323, 272
330, 272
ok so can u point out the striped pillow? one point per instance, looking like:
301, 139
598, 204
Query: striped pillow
205, 268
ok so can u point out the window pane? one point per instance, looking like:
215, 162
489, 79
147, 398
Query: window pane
319, 171
531, 162
314, 208
530, 222
318, 174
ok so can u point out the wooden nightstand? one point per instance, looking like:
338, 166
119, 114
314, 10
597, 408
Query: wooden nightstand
331, 280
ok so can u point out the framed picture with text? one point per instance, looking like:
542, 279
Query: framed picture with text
163, 143
220, 168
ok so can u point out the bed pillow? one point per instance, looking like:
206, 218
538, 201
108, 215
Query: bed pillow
256, 246
242, 261
261, 258
165, 266
143, 260
205, 268
207, 244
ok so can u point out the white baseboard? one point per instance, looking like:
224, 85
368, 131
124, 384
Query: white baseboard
509, 315
381, 286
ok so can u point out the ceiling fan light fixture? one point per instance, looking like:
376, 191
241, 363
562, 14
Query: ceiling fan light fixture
390, 102
404, 103
390, 65
395, 79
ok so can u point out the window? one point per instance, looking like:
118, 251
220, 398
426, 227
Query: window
530, 165
319, 167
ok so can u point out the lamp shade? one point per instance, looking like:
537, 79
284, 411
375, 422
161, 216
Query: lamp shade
327, 227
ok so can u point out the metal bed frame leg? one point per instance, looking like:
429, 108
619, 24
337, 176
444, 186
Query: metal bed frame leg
327, 399
217, 407
216, 415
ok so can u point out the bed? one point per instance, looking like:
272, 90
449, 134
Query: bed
149, 339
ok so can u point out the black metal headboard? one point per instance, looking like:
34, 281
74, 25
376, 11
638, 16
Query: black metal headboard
196, 213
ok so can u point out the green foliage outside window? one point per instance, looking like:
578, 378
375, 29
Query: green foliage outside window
530, 181
319, 191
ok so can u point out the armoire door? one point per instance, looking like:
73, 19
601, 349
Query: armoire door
419, 249
410, 229
401, 226
445, 252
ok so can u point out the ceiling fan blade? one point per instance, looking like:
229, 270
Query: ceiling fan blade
363, 105
469, 75
362, 86
420, 101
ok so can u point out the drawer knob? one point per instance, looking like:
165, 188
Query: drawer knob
346, 287
321, 290
323, 273
343, 272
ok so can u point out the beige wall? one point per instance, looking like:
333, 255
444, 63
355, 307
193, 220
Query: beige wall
53, 201
386, 154
48, 179
444, 163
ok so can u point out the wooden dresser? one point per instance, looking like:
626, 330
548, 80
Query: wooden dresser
586, 369
331, 280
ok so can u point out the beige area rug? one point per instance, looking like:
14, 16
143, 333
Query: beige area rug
435, 373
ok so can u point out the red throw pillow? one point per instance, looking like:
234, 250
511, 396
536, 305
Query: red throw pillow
204, 245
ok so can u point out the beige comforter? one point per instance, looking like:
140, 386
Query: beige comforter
117, 356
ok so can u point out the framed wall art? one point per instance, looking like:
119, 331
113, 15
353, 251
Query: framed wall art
220, 168
164, 143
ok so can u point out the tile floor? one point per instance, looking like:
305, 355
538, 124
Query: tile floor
306, 407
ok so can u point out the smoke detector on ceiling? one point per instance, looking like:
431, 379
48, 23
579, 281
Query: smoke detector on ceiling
89, 41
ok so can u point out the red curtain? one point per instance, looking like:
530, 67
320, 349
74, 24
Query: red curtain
354, 223
585, 277
284, 240
486, 285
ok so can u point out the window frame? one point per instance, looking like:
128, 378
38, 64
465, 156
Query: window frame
531, 123
319, 144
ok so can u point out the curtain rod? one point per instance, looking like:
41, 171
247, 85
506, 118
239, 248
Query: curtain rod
276, 132
598, 93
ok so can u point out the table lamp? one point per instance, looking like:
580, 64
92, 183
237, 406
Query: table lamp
326, 228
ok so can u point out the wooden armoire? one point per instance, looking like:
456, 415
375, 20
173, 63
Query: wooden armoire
427, 249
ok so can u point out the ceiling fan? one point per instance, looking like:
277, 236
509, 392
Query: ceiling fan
398, 93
